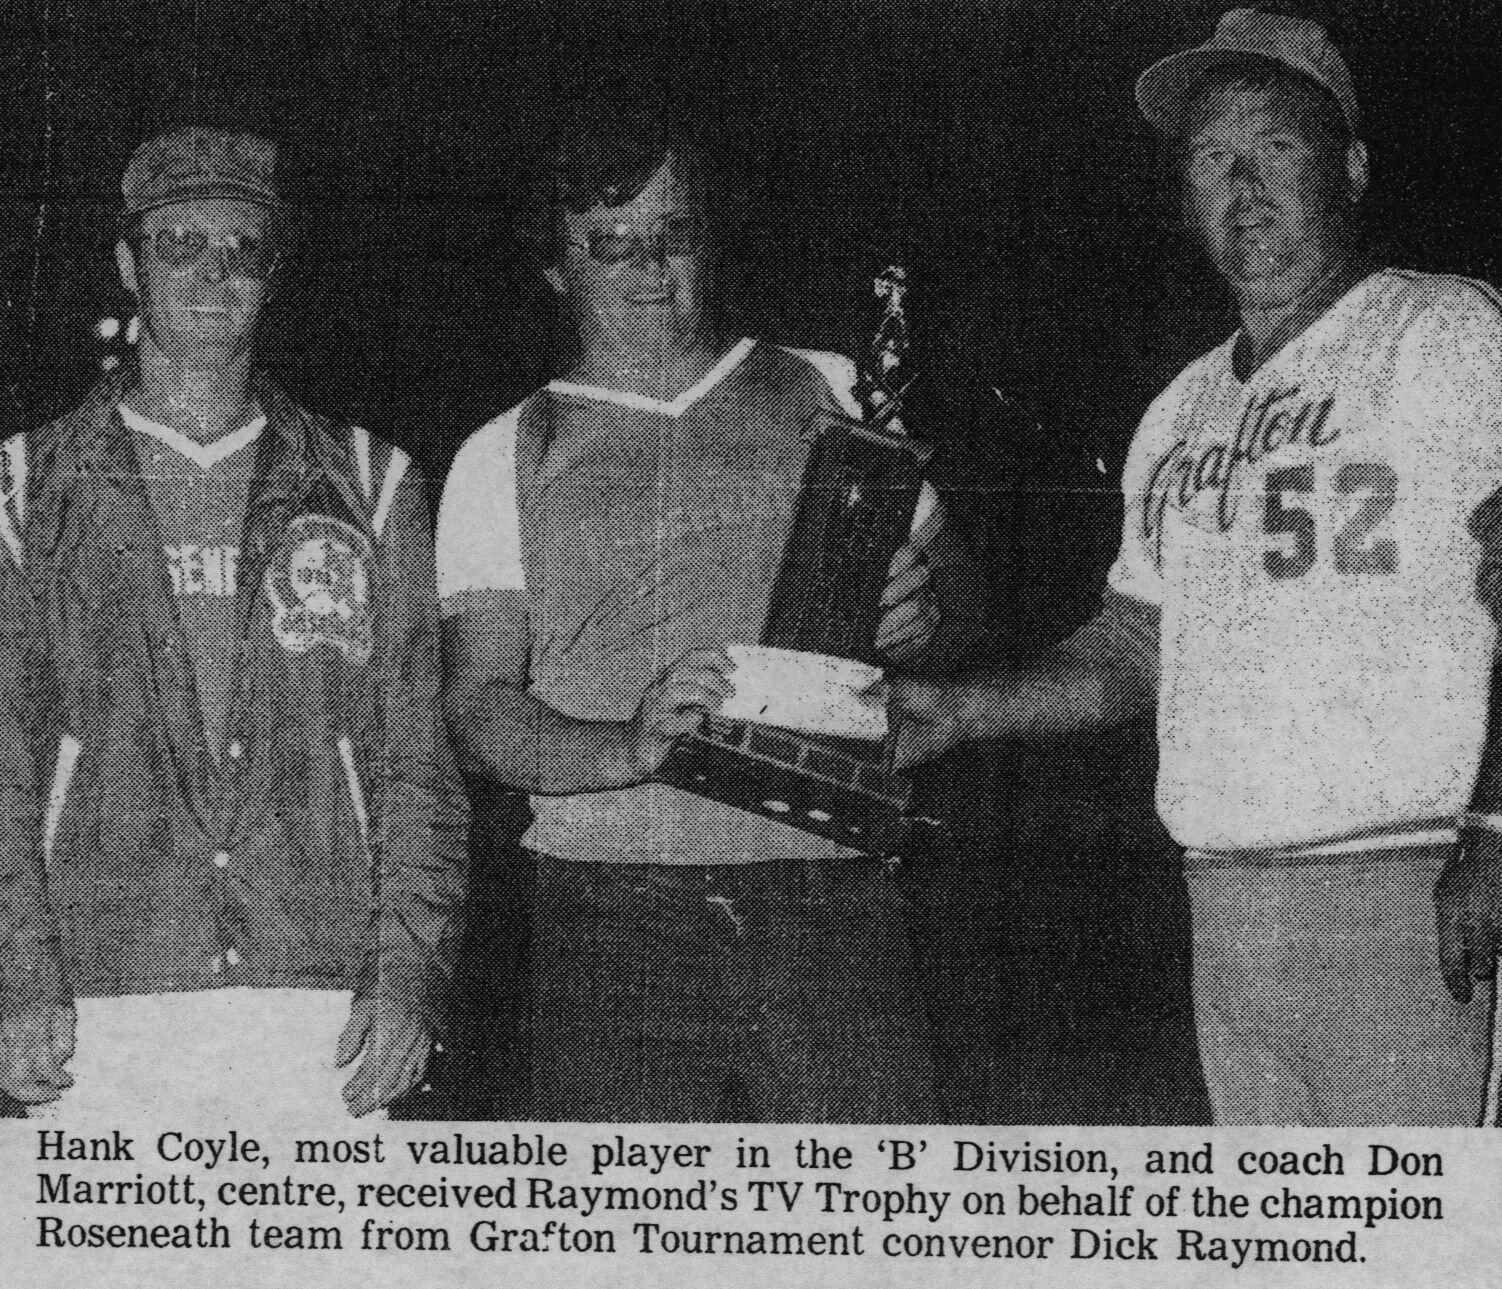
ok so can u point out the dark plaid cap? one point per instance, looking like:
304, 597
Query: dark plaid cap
195, 163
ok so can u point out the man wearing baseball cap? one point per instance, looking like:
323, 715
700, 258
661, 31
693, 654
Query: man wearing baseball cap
235, 836
1305, 590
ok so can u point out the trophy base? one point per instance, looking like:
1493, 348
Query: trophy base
817, 784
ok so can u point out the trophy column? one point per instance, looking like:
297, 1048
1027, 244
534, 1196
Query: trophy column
855, 509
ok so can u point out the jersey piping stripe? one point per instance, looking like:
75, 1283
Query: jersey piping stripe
15, 475
68, 751
13, 460
1490, 1107
1443, 833
666, 407
360, 441
204, 455
1493, 296
356, 793
8, 533
396, 469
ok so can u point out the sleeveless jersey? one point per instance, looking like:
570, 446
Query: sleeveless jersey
1326, 662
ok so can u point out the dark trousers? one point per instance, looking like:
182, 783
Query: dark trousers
779, 991
484, 1070
1051, 932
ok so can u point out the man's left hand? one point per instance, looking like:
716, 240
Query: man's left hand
1468, 909
393, 1044
909, 607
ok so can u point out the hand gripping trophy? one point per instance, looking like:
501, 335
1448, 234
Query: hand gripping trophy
856, 506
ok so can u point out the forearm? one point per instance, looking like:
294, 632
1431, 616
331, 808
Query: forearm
506, 735
501, 732
1059, 693
31, 966
1104, 675
422, 831
424, 863
32, 974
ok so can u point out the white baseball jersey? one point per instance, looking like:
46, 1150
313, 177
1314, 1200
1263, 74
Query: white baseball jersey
1326, 663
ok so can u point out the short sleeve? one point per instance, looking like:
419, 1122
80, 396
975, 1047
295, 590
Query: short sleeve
1446, 401
1136, 571
1447, 411
479, 526
839, 376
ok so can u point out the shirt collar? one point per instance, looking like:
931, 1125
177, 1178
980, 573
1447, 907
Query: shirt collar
733, 358
204, 455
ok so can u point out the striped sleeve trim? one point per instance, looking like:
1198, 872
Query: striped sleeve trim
360, 442
396, 471
379, 497
13, 472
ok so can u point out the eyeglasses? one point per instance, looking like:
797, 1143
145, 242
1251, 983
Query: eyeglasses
677, 235
181, 248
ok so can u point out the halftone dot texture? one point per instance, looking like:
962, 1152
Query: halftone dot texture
1164, 90
312, 835
780, 991
195, 164
1319, 1000
693, 961
648, 528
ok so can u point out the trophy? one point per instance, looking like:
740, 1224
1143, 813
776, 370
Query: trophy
855, 509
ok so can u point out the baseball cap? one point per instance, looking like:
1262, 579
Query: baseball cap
1165, 88
195, 163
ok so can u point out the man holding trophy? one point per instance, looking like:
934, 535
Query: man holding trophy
604, 548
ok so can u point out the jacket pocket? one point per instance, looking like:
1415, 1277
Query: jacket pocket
356, 793
68, 750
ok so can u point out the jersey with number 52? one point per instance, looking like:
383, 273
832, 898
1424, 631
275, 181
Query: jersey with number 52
1326, 663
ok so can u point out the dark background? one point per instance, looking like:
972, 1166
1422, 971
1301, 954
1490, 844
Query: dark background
999, 139
996, 141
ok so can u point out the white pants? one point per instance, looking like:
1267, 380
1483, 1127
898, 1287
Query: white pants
241, 1057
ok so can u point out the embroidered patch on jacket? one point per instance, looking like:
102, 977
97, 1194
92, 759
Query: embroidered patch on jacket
319, 586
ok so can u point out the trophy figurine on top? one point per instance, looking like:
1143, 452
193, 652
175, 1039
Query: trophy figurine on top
799, 741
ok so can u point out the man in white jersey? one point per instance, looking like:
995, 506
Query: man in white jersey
234, 839
599, 545
1297, 588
